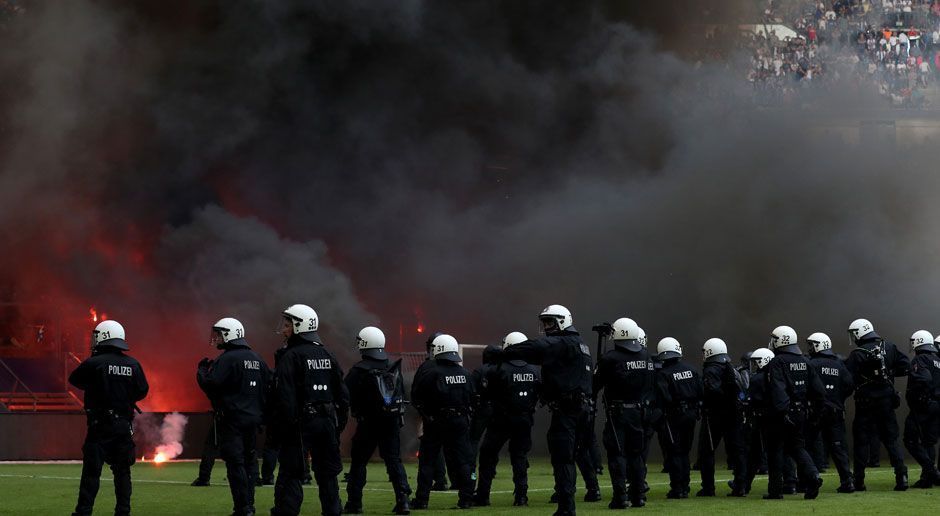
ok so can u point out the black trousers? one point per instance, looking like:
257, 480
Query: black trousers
676, 437
875, 421
109, 441
625, 440
381, 432
517, 430
587, 455
787, 441
829, 428
272, 448
562, 437
714, 428
318, 434
450, 433
920, 439
479, 422
237, 443
210, 452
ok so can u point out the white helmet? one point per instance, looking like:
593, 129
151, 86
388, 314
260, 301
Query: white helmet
514, 338
625, 329
782, 336
858, 329
557, 313
669, 348
761, 357
921, 338
304, 318
641, 336
109, 333
819, 343
445, 347
227, 330
371, 342
713, 349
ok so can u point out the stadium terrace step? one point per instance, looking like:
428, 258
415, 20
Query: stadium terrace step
40, 402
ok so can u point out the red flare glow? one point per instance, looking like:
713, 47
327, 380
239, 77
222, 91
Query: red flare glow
94, 314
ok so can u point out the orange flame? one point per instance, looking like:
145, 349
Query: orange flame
94, 314
159, 458
420, 328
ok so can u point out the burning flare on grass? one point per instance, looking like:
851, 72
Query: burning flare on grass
159, 457
171, 435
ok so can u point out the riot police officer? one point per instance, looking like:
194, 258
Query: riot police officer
722, 418
376, 399
920, 427
113, 383
440, 465
482, 403
235, 384
442, 392
792, 385
311, 407
513, 387
874, 364
757, 412
829, 422
679, 395
625, 374
566, 388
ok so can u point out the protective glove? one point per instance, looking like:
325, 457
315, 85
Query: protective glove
205, 363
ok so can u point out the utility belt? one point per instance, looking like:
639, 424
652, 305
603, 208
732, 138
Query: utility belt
319, 410
683, 407
99, 416
798, 406
571, 401
623, 405
446, 413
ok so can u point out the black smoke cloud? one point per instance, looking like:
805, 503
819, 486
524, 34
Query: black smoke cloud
470, 162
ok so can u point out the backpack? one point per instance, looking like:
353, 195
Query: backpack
391, 388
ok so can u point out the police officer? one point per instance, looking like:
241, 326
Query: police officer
113, 383
679, 394
311, 407
235, 384
757, 413
482, 403
792, 385
874, 364
514, 389
920, 427
442, 392
210, 452
626, 377
376, 398
440, 469
722, 418
829, 422
566, 388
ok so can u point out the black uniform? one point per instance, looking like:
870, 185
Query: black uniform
311, 407
874, 364
679, 395
378, 423
236, 385
566, 388
482, 403
210, 452
792, 385
513, 388
758, 409
625, 373
113, 383
829, 420
722, 418
921, 425
442, 393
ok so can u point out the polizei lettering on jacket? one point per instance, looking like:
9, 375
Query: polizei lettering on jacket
120, 370
831, 371
252, 364
319, 363
453, 380
798, 366
523, 377
682, 375
635, 365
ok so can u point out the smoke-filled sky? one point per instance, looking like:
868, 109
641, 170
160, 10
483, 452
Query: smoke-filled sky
456, 164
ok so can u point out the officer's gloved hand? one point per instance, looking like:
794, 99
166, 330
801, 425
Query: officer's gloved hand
205, 363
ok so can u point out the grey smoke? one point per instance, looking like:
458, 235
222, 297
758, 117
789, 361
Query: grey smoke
475, 161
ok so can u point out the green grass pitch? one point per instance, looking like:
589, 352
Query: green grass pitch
161, 490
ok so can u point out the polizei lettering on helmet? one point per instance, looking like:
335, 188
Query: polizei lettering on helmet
453, 380
319, 363
831, 371
683, 375
523, 377
798, 366
120, 370
252, 364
